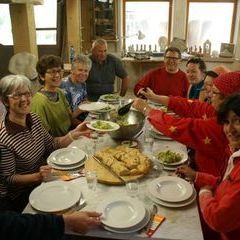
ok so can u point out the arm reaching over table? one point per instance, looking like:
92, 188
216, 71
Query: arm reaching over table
45, 226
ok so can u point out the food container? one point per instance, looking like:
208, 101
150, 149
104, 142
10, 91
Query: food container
134, 119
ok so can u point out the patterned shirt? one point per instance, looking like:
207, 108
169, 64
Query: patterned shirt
75, 93
22, 151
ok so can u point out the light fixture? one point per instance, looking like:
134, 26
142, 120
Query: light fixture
140, 35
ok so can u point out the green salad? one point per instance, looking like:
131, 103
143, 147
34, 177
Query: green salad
169, 157
111, 97
120, 120
102, 125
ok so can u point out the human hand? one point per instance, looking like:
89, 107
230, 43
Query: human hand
148, 93
81, 222
45, 172
141, 105
187, 172
80, 130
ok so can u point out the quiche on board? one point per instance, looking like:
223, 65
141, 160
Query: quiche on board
125, 161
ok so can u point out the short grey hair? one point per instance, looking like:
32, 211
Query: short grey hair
11, 82
98, 42
82, 59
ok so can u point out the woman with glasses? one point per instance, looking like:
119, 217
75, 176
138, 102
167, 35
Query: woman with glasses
24, 144
196, 71
205, 93
50, 102
197, 126
167, 80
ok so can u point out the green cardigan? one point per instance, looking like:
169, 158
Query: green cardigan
55, 116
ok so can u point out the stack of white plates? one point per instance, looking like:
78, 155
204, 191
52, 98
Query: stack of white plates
110, 98
170, 191
123, 214
158, 135
52, 197
173, 166
67, 158
93, 106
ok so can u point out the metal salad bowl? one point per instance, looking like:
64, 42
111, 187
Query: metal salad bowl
134, 119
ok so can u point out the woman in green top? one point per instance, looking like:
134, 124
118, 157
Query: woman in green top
50, 102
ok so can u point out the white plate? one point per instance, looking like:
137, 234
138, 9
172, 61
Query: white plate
54, 196
109, 108
121, 212
174, 205
160, 136
67, 156
170, 189
114, 126
69, 167
182, 161
136, 228
94, 106
110, 97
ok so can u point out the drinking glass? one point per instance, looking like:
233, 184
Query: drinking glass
132, 188
91, 178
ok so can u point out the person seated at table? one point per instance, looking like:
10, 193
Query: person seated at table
74, 86
196, 70
219, 197
167, 80
24, 144
196, 127
105, 68
205, 93
50, 102
45, 226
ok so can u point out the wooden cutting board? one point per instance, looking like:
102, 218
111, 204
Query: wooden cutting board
105, 176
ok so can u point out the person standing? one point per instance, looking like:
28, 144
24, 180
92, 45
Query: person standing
105, 67
167, 80
74, 85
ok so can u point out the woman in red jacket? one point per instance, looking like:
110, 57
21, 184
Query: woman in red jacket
197, 126
219, 202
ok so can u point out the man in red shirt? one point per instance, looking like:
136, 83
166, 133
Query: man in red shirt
167, 80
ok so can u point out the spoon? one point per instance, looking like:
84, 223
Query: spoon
125, 108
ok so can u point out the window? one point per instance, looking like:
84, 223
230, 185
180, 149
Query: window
5, 25
46, 22
210, 21
149, 17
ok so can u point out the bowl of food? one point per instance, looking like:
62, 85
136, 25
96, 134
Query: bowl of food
130, 124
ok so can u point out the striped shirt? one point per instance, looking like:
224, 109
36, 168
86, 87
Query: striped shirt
22, 152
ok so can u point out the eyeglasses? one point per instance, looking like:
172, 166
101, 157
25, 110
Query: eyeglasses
172, 58
54, 72
17, 96
216, 93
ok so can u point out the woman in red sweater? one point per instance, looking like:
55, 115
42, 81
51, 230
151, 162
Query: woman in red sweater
197, 126
219, 198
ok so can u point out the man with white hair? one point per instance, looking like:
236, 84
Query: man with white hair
105, 67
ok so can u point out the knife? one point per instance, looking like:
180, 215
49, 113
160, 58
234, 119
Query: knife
109, 169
